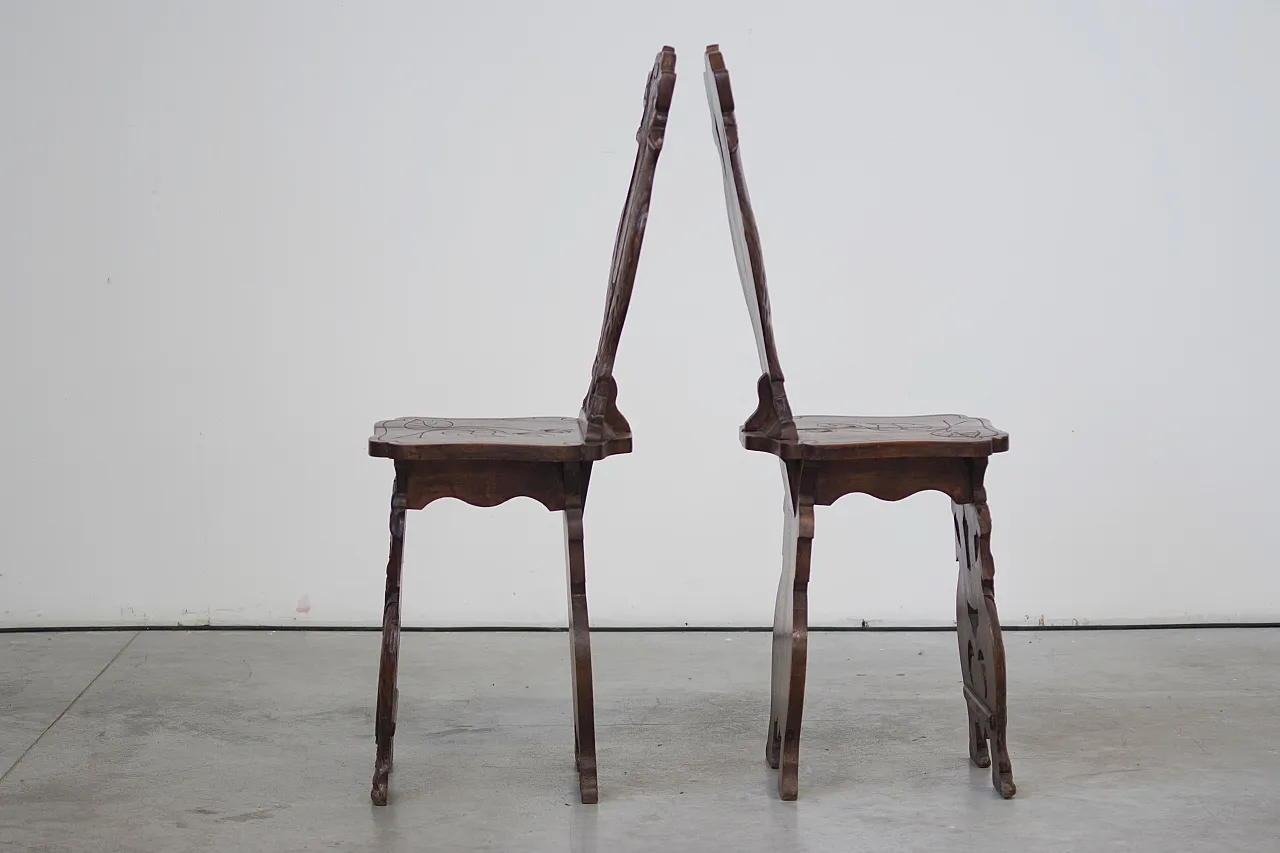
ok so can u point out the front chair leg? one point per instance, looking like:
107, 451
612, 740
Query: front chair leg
982, 660
791, 631
388, 693
584, 725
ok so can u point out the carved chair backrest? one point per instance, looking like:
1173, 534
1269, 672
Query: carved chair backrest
600, 417
773, 416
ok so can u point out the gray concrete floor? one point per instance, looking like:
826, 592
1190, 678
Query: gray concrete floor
1145, 740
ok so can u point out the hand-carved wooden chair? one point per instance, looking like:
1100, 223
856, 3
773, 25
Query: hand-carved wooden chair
488, 461
824, 458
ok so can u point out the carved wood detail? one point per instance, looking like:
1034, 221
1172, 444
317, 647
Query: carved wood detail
982, 660
482, 482
893, 479
600, 418
825, 437
421, 439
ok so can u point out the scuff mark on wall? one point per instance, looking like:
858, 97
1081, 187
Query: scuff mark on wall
194, 618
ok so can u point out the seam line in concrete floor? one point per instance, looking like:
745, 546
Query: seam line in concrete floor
70, 705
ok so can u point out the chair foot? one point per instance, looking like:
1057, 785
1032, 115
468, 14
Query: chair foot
1002, 766
789, 781
381, 777
1006, 787
978, 752
772, 744
587, 785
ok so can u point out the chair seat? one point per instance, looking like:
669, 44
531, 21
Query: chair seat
517, 439
844, 437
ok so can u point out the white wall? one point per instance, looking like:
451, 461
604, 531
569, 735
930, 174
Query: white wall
234, 234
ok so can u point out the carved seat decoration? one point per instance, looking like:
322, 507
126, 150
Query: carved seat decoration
486, 461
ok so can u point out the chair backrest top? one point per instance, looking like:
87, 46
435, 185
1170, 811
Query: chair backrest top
600, 418
773, 415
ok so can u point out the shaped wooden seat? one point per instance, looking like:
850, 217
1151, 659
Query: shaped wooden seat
490, 460
826, 457
844, 437
522, 439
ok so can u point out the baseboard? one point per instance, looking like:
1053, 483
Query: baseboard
652, 629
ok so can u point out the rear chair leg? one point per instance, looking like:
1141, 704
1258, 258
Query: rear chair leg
791, 631
576, 475
982, 660
388, 693
782, 608
780, 677
978, 752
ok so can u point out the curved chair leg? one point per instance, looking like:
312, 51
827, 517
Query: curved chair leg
584, 725
388, 693
791, 631
982, 660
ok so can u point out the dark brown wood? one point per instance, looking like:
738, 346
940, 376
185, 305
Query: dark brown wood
513, 439
388, 692
772, 416
890, 458
486, 461
576, 477
601, 420
821, 437
978, 631
791, 628
487, 482
892, 478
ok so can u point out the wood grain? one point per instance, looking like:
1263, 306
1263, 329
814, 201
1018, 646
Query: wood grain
601, 420
772, 416
422, 439
791, 629
486, 482
982, 661
821, 437
388, 693
891, 479
576, 478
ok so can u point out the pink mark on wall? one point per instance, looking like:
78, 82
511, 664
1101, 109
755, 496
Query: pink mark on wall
304, 604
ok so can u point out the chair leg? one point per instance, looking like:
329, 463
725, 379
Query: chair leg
584, 725
982, 660
791, 633
781, 655
388, 693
